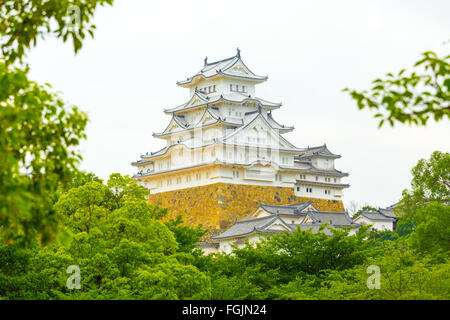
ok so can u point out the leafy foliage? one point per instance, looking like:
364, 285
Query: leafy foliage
38, 132
431, 178
123, 252
37, 136
413, 98
23, 22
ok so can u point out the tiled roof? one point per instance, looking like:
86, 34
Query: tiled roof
332, 218
320, 151
234, 97
326, 184
247, 226
276, 125
223, 67
292, 209
376, 215
248, 120
388, 212
310, 169
218, 118
139, 162
250, 225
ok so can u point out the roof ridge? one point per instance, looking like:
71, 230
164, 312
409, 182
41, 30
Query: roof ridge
284, 205
254, 219
219, 61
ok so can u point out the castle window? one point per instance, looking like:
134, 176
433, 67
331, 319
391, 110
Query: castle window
231, 87
214, 88
335, 180
243, 89
298, 188
237, 87
317, 178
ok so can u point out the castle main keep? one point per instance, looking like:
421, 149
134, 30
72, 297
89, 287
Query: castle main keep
225, 153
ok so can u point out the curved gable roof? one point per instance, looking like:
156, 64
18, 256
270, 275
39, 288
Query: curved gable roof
234, 97
291, 209
320, 151
249, 226
222, 67
258, 115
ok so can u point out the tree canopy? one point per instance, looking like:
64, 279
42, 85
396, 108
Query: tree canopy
38, 129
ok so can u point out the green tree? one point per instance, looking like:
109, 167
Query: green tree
403, 275
431, 178
432, 232
430, 183
122, 251
413, 98
311, 253
38, 132
37, 136
186, 236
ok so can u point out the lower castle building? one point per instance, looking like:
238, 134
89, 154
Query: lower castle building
269, 219
225, 154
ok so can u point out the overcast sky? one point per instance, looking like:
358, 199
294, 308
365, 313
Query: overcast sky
310, 50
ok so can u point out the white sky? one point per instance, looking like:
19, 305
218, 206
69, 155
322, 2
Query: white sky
310, 50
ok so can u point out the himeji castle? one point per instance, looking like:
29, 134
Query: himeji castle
225, 154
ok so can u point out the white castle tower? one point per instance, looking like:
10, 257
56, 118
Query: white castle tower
225, 153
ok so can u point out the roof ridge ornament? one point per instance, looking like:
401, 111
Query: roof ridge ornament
238, 53
206, 60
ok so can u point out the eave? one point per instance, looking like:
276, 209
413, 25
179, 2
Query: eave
325, 184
